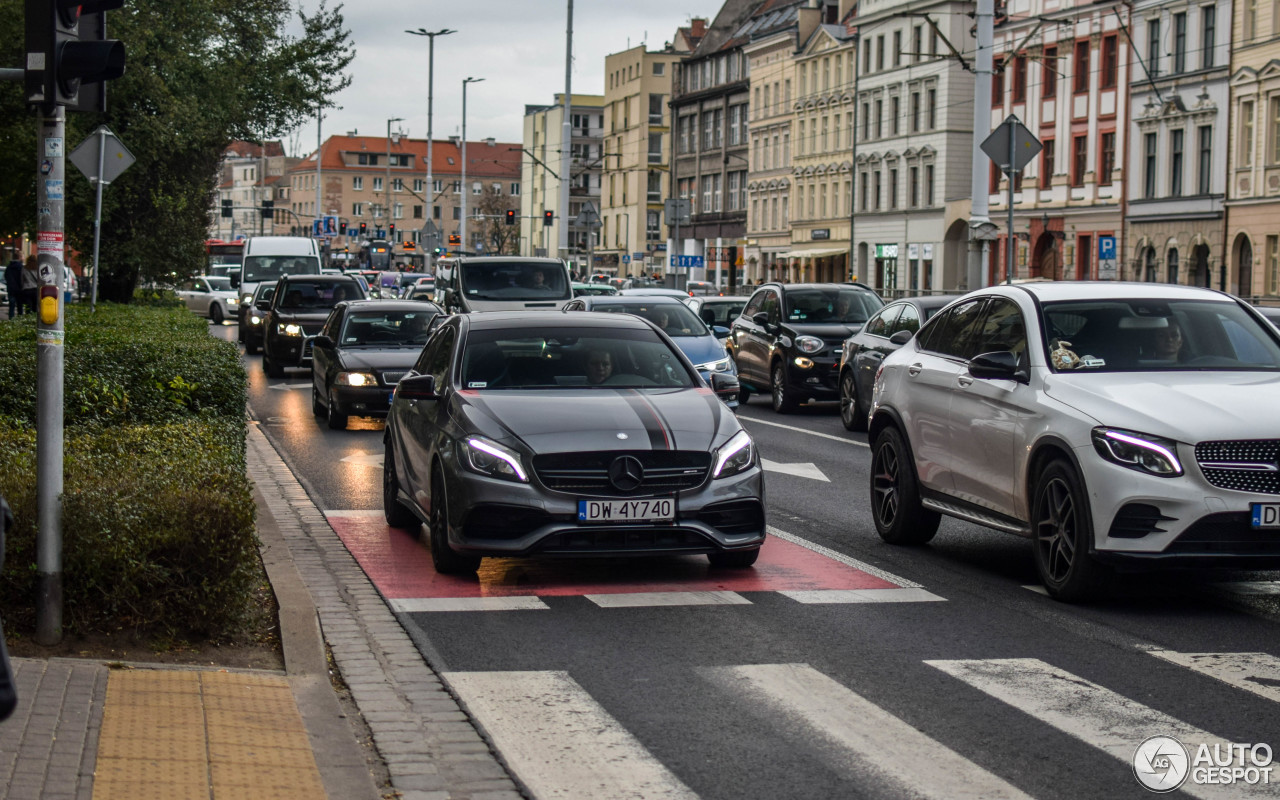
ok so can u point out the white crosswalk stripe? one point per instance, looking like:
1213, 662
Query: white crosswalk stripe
871, 738
825, 596
1254, 672
1088, 712
651, 599
559, 741
417, 605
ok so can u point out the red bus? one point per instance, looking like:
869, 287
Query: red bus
221, 256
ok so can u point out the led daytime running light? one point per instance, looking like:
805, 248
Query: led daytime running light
730, 449
485, 447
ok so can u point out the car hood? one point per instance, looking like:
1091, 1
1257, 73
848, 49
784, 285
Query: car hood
378, 358
598, 419
1185, 406
701, 349
828, 331
516, 305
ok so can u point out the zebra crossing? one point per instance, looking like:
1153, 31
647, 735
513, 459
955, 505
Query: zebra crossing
561, 742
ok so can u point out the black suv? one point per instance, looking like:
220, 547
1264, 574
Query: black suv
296, 311
787, 340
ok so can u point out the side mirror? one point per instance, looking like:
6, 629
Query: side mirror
722, 383
417, 387
901, 337
720, 331
235, 280
761, 318
998, 366
322, 340
263, 305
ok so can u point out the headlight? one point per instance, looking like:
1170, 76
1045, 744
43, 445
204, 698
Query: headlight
255, 320
289, 329
492, 459
809, 344
1139, 451
233, 301
716, 366
355, 379
246, 299
734, 456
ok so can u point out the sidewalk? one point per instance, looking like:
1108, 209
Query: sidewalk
86, 731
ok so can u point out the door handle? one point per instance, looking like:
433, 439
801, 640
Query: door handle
915, 369
964, 380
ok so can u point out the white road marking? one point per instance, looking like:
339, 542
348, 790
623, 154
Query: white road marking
643, 599
285, 387
848, 561
1250, 587
417, 605
826, 596
559, 741
1037, 588
1258, 673
1086, 711
804, 430
803, 470
365, 459
872, 739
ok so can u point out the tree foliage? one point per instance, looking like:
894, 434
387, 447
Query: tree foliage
199, 75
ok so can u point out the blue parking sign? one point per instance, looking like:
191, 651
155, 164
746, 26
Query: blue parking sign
1106, 247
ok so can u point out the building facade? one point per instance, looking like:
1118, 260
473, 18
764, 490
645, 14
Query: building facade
540, 170
250, 173
1177, 166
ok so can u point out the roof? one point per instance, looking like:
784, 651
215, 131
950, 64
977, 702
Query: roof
484, 160
242, 149
1053, 291
391, 305
553, 319
629, 299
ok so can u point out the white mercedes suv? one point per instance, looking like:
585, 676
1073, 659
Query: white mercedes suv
1113, 424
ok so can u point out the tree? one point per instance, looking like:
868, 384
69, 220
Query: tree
500, 239
199, 75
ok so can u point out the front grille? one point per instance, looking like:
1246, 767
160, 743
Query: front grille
493, 521
664, 471
392, 378
1228, 533
596, 541
1136, 520
1227, 465
734, 517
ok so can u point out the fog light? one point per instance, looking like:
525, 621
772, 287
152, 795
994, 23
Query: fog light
804, 363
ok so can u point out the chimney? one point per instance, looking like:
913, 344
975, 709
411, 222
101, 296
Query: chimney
491, 141
698, 27
809, 17
454, 139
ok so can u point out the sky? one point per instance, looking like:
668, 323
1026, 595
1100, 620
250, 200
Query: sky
516, 46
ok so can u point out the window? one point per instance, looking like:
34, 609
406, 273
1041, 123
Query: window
928, 184
735, 130
1175, 163
357, 209
1046, 164
659, 68
893, 188
1180, 42
1246, 133
826, 74
1110, 59
1108, 163
997, 84
357, 183
897, 48
397, 211
397, 184
655, 109
915, 112
1273, 265
1149, 174
1079, 160
913, 187
866, 59
1019, 79
866, 121
437, 185
1275, 130
802, 140
1049, 76
822, 201
1080, 67
863, 202
655, 186
418, 184
1206, 159
894, 113
825, 148
879, 55
994, 183
417, 212
718, 128
477, 188
879, 119
377, 184
515, 190
917, 42
1250, 19
1208, 33
932, 103
1153, 47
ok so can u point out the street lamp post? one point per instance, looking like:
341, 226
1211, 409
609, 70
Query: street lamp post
431, 66
386, 190
462, 226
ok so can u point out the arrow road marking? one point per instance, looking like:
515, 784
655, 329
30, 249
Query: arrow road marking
805, 470
366, 459
284, 387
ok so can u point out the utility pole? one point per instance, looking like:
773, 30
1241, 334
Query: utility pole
319, 159
462, 224
431, 67
981, 229
566, 138
386, 194
853, 159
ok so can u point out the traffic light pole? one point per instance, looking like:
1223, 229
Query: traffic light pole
50, 332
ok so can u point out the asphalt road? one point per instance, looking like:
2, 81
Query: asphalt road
967, 684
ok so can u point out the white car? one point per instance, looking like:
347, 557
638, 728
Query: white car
1115, 425
210, 296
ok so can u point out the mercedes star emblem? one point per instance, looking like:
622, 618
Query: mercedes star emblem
626, 473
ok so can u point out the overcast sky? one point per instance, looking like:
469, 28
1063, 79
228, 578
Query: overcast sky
517, 46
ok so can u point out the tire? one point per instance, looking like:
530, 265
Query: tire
851, 414
215, 313
1062, 532
735, 559
336, 421
744, 395
251, 349
270, 367
393, 510
317, 408
444, 558
899, 516
784, 401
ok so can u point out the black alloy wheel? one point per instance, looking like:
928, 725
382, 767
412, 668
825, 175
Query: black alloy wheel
335, 420
851, 414
317, 408
1062, 533
899, 516
444, 558
784, 400
215, 313
393, 510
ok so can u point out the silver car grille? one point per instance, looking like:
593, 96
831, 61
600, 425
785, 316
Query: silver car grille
1246, 465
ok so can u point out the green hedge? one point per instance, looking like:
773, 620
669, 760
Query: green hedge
158, 518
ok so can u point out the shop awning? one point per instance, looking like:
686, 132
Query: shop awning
818, 252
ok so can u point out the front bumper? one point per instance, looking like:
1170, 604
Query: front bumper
362, 401
818, 382
493, 517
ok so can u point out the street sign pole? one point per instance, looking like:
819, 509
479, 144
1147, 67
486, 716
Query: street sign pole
1011, 141
97, 215
1008, 265
91, 158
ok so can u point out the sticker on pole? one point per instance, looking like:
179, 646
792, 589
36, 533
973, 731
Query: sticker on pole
1011, 140
49, 243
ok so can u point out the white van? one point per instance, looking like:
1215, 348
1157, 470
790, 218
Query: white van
501, 283
267, 259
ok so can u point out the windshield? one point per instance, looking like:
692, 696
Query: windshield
676, 319
317, 294
837, 305
581, 290
560, 358
219, 284
1156, 335
387, 328
514, 280
269, 268
265, 292
721, 313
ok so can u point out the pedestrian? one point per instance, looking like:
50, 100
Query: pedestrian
13, 285
30, 283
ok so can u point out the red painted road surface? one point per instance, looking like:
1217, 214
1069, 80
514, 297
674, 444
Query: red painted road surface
401, 568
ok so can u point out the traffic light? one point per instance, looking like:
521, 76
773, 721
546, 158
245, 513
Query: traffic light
455, 239
364, 228
438, 251
548, 217
226, 209
342, 229
391, 231
66, 48
268, 209
511, 216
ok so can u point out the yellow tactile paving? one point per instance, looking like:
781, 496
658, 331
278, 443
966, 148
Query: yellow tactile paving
202, 734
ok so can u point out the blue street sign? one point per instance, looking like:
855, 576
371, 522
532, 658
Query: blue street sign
1106, 247
686, 261
626, 259
637, 257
